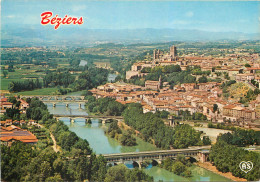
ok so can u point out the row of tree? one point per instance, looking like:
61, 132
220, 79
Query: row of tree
58, 78
90, 78
154, 130
241, 137
17, 86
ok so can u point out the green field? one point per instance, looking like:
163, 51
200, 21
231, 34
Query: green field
43, 91
5, 82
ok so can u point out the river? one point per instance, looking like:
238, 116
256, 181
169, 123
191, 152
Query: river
102, 144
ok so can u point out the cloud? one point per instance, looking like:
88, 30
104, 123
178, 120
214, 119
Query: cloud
78, 8
189, 14
10, 16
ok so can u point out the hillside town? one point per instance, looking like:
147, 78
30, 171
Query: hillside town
206, 98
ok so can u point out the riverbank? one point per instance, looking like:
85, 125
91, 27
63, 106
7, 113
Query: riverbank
210, 167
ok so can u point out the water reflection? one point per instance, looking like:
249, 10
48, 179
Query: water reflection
72, 109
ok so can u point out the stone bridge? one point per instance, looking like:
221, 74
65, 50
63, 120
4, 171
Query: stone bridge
59, 98
199, 153
104, 119
54, 99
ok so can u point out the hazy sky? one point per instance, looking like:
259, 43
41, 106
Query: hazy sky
242, 16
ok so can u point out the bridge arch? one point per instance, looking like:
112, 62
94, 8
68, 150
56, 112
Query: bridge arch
68, 98
193, 159
155, 162
137, 164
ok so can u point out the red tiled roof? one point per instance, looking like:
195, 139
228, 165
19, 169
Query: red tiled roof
3, 100
15, 133
7, 103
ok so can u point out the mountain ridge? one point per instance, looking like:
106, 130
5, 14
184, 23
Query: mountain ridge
73, 36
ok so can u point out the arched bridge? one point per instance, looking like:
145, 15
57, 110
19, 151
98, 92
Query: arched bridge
104, 119
199, 153
59, 98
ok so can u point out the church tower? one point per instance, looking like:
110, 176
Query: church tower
173, 51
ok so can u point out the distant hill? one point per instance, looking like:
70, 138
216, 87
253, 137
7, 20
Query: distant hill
77, 36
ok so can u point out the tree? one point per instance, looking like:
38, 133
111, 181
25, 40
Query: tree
127, 139
55, 178
178, 168
203, 79
36, 113
12, 99
247, 65
206, 140
227, 157
17, 104
121, 173
99, 169
215, 107
226, 76
5, 72
116, 173
13, 113
45, 170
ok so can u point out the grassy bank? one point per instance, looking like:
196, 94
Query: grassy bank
43, 91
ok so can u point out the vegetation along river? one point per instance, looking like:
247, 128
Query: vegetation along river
102, 144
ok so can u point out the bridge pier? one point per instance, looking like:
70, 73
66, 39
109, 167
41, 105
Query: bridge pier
160, 158
54, 105
103, 121
139, 165
79, 105
171, 121
202, 156
121, 161
67, 105
140, 161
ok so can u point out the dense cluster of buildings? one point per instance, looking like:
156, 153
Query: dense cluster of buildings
232, 64
9, 130
186, 97
192, 97
4, 104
